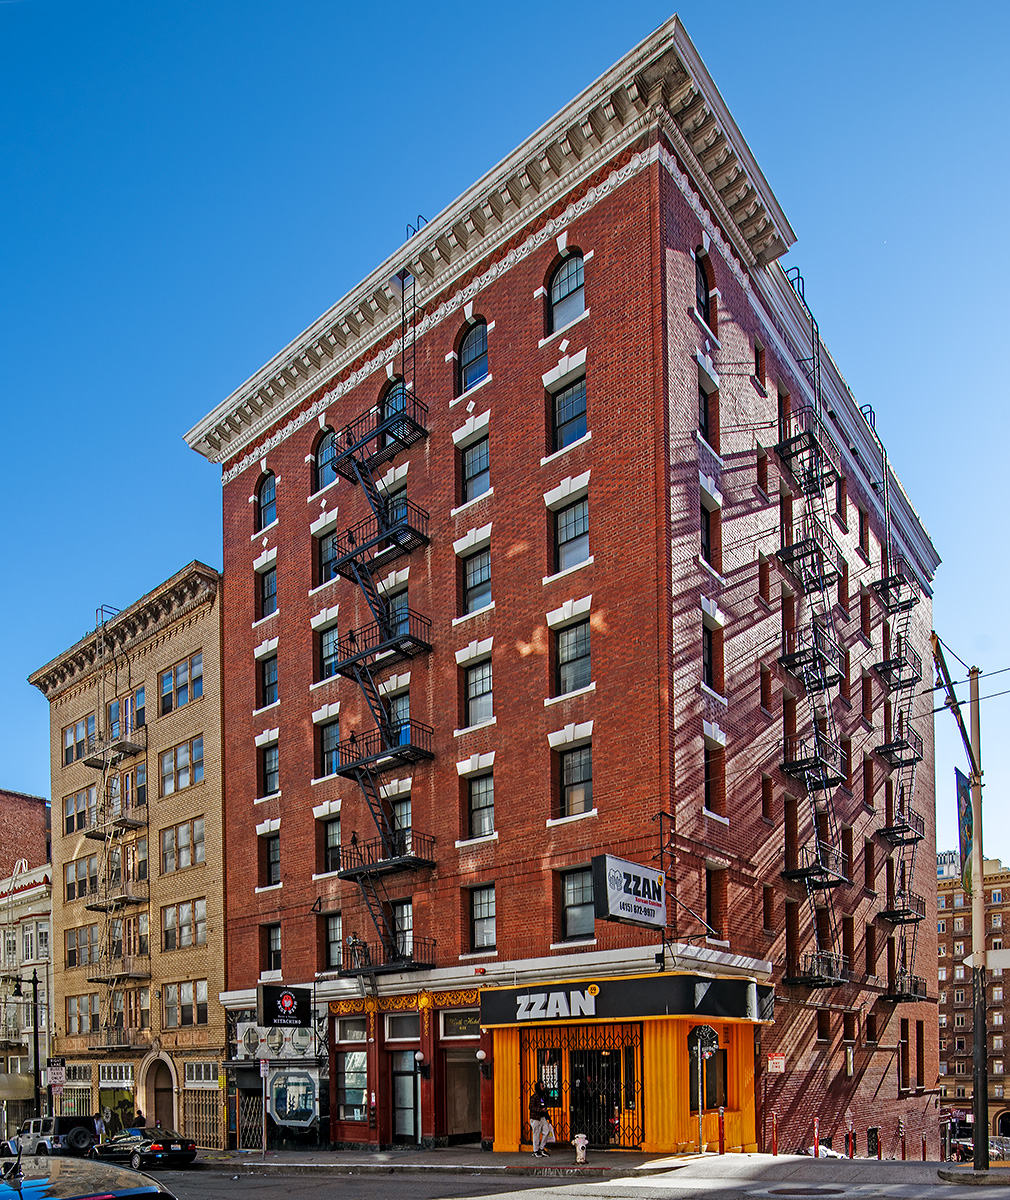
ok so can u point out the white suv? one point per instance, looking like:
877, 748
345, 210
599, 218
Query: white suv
57, 1135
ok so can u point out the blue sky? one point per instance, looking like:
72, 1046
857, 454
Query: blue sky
186, 185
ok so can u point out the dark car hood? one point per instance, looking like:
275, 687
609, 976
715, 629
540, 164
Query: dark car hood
67, 1178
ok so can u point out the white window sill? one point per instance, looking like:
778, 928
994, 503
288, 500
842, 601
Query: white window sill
707, 812
266, 529
575, 944
266, 708
702, 441
454, 512
324, 778
476, 613
263, 620
466, 843
322, 682
713, 694
569, 695
711, 941
588, 562
702, 562
470, 391
478, 954
552, 821
272, 796
474, 728
270, 977
270, 887
586, 437
322, 491
707, 329
328, 583
564, 328
325, 875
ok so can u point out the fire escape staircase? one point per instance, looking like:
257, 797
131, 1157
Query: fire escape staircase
393, 529
811, 653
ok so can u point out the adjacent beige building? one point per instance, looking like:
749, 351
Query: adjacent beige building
138, 900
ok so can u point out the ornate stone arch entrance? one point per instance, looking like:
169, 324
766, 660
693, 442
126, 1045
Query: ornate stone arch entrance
158, 1090
1003, 1124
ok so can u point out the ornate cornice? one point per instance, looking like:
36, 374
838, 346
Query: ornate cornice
193, 586
660, 82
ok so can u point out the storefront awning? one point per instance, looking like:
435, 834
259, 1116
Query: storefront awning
16, 1087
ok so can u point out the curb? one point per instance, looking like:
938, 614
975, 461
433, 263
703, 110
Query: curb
972, 1178
505, 1170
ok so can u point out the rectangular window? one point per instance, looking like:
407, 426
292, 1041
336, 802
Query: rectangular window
708, 657
330, 841
823, 1025
768, 909
569, 415
271, 769
578, 918
182, 766
352, 1084
715, 778
761, 472
271, 860
398, 614
871, 949
182, 683
403, 927
185, 1004
767, 798
574, 667
867, 699
864, 532
334, 940
268, 681
267, 592
576, 781
272, 947
184, 925
479, 697
571, 526
841, 499
78, 739
482, 918
329, 748
716, 901
182, 846
329, 652
765, 580
480, 805
80, 811
477, 581
869, 866
476, 470
328, 553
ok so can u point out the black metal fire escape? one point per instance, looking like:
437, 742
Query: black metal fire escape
394, 528
899, 669
812, 754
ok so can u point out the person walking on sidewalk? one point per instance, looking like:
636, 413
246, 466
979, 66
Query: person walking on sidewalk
540, 1122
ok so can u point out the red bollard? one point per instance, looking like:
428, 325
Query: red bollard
775, 1133
903, 1145
880, 1147
923, 1147
722, 1129
817, 1137
851, 1150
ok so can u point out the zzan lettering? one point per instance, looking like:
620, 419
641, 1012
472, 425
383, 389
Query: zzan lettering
541, 1006
645, 889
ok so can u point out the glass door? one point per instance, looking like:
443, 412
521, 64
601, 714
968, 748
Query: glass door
406, 1098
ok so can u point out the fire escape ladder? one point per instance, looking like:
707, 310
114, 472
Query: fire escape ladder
365, 680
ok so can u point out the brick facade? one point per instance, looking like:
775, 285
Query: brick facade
683, 581
24, 830
154, 1035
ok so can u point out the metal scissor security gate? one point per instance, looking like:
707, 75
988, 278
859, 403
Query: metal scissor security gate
250, 1121
593, 1076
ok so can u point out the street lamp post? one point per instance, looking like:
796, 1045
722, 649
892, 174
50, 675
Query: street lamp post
35, 1033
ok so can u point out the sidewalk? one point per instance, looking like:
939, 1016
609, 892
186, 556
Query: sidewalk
467, 1160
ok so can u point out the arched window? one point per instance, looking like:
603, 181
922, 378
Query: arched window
702, 288
568, 298
473, 357
394, 400
266, 501
326, 453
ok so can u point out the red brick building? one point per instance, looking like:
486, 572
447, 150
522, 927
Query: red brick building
560, 536
24, 830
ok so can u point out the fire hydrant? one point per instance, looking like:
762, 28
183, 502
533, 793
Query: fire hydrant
580, 1142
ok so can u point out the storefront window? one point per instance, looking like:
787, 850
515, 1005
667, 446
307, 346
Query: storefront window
403, 1026
715, 1081
352, 1030
292, 1097
352, 1077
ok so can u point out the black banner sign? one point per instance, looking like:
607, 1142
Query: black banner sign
607, 999
286, 1007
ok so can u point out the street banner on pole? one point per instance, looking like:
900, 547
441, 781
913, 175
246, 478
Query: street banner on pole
964, 826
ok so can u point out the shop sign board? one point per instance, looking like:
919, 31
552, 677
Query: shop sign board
660, 995
285, 1007
628, 892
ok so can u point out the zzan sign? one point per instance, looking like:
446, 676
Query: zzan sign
628, 892
547, 1006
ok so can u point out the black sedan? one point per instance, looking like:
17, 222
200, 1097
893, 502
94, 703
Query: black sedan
47, 1178
146, 1148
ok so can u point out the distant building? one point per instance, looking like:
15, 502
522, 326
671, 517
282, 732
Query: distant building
138, 905
954, 944
948, 864
561, 535
25, 911
24, 830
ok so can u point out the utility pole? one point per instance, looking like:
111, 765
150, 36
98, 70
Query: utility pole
980, 1071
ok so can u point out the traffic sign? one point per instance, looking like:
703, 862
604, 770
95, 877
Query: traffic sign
776, 1064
